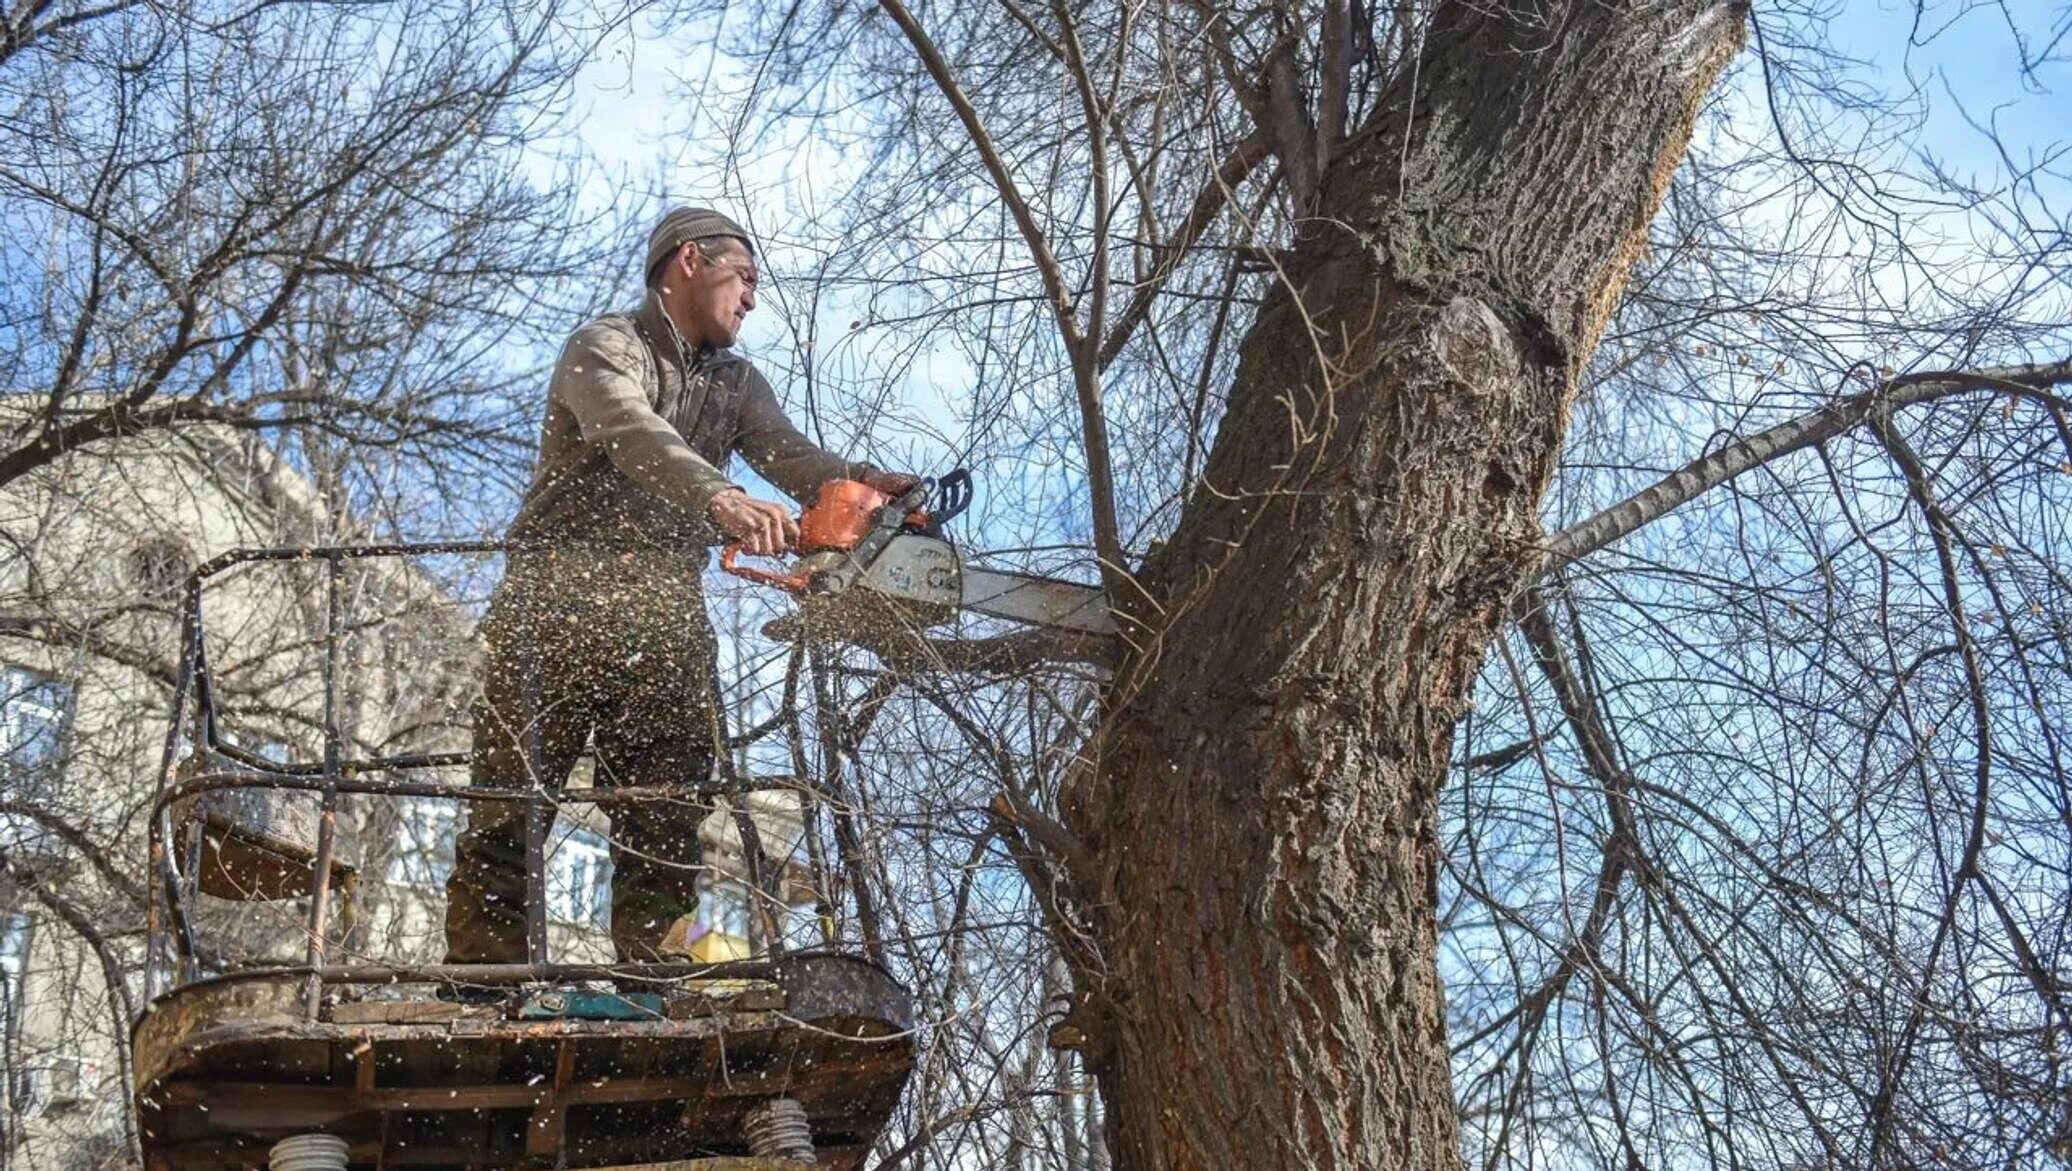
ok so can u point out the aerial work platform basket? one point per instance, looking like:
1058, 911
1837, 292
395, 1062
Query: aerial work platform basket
352, 1061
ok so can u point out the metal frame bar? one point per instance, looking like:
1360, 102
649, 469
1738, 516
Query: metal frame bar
495, 975
327, 824
171, 942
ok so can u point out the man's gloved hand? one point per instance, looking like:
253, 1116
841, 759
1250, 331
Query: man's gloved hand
762, 528
891, 483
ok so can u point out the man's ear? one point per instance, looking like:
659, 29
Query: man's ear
689, 260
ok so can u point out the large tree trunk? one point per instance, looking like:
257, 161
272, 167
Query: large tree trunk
1266, 992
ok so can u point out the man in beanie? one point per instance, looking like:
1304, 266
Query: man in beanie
601, 639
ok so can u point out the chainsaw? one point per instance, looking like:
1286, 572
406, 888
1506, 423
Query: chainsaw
868, 558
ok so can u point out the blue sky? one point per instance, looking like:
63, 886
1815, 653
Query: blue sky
1958, 57
636, 110
1963, 56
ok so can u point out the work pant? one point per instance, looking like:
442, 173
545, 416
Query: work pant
622, 660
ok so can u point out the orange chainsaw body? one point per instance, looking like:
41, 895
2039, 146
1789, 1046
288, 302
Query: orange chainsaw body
841, 514
859, 573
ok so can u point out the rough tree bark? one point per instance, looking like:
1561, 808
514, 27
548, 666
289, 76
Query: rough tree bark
1264, 990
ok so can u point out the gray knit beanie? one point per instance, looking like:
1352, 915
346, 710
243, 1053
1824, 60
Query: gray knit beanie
682, 225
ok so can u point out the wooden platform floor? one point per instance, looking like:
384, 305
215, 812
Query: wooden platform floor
226, 1069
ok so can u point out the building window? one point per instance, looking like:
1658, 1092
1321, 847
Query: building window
579, 877
33, 713
425, 832
32, 723
264, 747
14, 962
802, 927
723, 906
157, 568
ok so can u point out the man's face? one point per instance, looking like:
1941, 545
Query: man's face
722, 290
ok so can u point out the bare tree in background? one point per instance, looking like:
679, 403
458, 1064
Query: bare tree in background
307, 218
1632, 597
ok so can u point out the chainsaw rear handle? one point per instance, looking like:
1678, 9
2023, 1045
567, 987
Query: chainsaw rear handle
794, 582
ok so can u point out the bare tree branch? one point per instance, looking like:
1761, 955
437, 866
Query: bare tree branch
1707, 472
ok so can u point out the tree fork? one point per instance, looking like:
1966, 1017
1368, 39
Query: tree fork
1263, 813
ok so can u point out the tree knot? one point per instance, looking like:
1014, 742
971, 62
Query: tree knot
1473, 344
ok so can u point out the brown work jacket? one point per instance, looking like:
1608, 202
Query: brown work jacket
639, 425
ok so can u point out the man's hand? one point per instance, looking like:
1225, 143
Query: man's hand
893, 484
762, 528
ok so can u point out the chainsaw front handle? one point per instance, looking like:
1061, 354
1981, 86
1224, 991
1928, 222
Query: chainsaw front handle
794, 582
